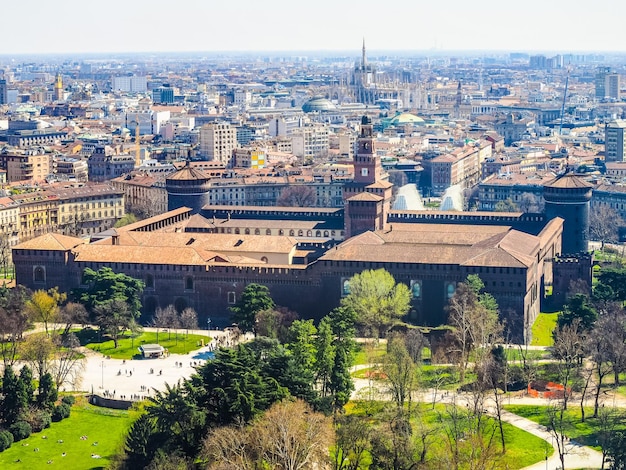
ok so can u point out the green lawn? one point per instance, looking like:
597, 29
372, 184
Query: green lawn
102, 426
369, 353
522, 448
542, 329
585, 433
127, 346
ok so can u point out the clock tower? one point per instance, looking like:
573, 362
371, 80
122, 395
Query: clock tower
368, 196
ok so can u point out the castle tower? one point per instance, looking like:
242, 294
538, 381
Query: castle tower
58, 87
567, 196
188, 187
367, 198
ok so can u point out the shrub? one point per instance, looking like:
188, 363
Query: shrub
20, 430
38, 419
60, 412
68, 399
6, 439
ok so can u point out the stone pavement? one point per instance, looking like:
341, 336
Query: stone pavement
136, 379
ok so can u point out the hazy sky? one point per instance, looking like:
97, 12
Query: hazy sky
43, 26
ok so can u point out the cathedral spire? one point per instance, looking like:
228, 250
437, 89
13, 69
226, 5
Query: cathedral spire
363, 58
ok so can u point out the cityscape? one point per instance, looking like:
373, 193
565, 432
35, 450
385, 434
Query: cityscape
329, 248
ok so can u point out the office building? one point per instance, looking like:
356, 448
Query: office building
614, 141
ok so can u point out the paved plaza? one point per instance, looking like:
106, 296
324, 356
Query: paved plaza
135, 379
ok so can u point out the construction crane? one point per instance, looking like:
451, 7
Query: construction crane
137, 147
563, 104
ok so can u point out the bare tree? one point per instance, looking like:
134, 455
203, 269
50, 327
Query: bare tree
13, 322
229, 447
289, 436
401, 373
604, 223
69, 362
38, 350
5, 253
599, 348
297, 196
189, 319
292, 436
475, 321
164, 318
72, 314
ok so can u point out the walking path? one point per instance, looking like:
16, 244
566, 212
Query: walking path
576, 455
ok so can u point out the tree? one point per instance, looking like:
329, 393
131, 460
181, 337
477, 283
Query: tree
578, 306
615, 278
275, 323
234, 387
47, 392
129, 218
531, 203
297, 196
415, 343
14, 397
72, 314
352, 444
114, 317
229, 447
104, 286
38, 350
600, 348
401, 373
140, 443
5, 253
377, 300
13, 321
43, 307
254, 299
604, 224
506, 206
189, 319
289, 436
69, 362
341, 386
292, 436
178, 416
324, 356
165, 318
474, 316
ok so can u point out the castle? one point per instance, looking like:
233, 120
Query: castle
190, 258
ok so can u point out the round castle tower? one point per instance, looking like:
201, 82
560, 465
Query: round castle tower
188, 187
567, 196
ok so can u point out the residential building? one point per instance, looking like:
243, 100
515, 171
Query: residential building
311, 141
105, 164
28, 165
217, 142
130, 84
615, 141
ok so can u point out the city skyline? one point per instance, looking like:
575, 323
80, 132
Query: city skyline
276, 25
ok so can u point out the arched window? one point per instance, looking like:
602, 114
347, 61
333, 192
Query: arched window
149, 281
39, 274
318, 233
326, 233
247, 231
309, 233
189, 283
257, 231
291, 233
281, 232
264, 259
300, 233
268, 232
237, 231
